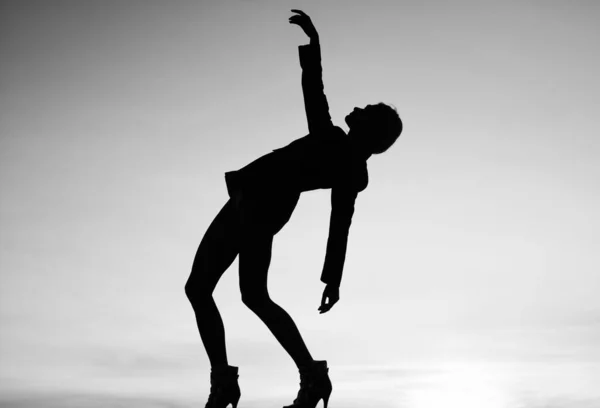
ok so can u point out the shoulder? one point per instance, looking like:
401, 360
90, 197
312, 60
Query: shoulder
338, 131
332, 131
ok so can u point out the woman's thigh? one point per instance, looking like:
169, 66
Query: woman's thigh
217, 250
262, 217
266, 214
254, 262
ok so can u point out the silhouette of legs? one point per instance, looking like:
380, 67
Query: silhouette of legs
254, 262
217, 251
247, 231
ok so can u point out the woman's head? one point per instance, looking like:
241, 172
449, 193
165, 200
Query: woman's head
378, 126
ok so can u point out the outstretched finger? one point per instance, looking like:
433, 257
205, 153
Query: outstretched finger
299, 12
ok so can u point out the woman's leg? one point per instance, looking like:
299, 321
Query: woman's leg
217, 251
255, 258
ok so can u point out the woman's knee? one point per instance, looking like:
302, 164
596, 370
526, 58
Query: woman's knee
197, 292
255, 300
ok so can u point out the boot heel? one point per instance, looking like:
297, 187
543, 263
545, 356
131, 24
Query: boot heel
224, 388
326, 399
235, 403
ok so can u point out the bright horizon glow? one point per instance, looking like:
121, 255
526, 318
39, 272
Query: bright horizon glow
462, 386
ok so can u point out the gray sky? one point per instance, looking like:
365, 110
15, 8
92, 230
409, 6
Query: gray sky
118, 120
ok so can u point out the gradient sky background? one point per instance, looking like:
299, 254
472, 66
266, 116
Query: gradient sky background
473, 252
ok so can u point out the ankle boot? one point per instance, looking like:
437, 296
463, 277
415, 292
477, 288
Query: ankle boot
314, 386
224, 388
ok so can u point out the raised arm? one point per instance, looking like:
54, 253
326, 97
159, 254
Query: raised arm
315, 101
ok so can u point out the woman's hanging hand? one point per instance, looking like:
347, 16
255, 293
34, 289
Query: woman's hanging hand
332, 293
303, 20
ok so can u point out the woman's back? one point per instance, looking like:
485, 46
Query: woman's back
316, 161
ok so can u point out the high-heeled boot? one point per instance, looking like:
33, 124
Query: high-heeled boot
224, 388
314, 386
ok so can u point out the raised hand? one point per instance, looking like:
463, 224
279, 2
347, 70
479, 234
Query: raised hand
332, 293
303, 20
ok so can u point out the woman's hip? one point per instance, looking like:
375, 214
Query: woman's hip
267, 212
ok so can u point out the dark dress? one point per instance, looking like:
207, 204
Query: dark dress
323, 159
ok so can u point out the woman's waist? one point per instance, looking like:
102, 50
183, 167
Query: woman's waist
239, 183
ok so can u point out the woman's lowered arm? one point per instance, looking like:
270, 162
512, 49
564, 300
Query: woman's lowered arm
342, 209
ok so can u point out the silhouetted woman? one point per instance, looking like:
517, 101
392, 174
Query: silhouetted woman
263, 196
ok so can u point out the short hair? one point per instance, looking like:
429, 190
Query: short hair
385, 127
